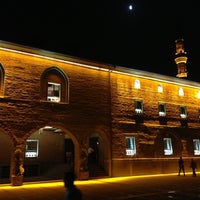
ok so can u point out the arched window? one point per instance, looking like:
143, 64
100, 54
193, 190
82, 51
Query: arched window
160, 88
54, 85
198, 95
2, 74
180, 92
137, 84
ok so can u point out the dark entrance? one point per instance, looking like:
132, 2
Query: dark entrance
95, 167
69, 154
93, 151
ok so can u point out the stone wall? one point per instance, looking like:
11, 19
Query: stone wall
103, 101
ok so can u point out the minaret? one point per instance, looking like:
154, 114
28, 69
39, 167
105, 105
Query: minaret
181, 59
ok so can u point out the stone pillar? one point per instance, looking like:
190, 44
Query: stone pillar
84, 171
17, 169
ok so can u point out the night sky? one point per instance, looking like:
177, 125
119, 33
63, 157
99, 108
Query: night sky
107, 31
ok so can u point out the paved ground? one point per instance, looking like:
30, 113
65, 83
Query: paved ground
136, 187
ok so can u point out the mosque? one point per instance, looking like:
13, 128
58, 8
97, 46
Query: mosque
62, 113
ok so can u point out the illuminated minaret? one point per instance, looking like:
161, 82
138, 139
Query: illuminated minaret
181, 59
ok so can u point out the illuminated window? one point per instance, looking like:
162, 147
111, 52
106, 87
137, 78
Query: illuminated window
198, 95
183, 112
53, 92
54, 85
32, 146
160, 88
161, 109
196, 146
181, 92
130, 146
137, 84
168, 146
138, 106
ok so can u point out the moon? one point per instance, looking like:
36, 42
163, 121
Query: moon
130, 7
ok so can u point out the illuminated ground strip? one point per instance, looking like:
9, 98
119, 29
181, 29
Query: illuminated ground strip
78, 182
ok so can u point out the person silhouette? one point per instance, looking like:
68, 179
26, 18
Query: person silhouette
193, 166
181, 166
72, 192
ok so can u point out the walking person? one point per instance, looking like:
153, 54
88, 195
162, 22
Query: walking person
181, 166
72, 192
193, 165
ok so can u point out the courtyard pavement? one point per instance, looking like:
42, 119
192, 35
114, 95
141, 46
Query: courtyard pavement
169, 186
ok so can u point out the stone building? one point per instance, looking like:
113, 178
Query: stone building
63, 113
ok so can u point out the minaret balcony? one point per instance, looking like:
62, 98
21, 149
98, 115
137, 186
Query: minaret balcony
182, 59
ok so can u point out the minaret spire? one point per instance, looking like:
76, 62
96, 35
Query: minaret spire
181, 59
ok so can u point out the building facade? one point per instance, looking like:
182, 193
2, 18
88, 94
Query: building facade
62, 113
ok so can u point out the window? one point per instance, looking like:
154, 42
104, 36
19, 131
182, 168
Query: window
181, 92
168, 146
138, 106
2, 74
196, 146
53, 92
160, 88
161, 109
183, 112
32, 146
198, 95
54, 85
130, 146
137, 84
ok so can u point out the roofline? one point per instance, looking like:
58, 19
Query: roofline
51, 54
94, 64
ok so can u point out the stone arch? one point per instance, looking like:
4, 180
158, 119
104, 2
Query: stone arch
6, 150
58, 76
76, 147
61, 130
103, 157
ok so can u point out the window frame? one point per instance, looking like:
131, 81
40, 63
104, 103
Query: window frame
130, 146
168, 148
51, 97
183, 112
57, 76
161, 109
32, 153
181, 92
160, 88
137, 84
196, 146
138, 106
198, 94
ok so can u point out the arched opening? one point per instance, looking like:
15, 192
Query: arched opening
49, 153
6, 149
54, 85
98, 156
